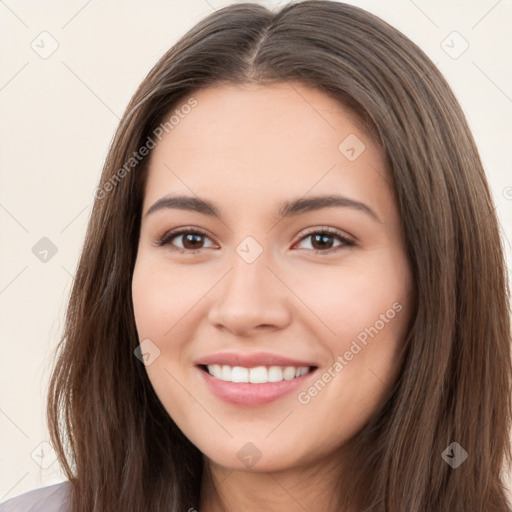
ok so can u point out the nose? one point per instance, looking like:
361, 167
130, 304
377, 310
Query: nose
250, 298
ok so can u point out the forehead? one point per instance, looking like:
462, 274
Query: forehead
281, 115
258, 142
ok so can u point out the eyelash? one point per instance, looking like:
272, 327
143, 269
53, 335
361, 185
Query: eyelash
170, 235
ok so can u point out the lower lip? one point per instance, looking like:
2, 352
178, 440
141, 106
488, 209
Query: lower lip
243, 393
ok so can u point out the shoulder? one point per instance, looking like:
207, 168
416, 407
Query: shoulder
52, 498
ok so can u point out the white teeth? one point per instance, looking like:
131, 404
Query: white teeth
240, 374
226, 373
289, 373
275, 374
216, 370
256, 375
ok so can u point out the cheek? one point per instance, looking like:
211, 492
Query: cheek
349, 301
161, 299
367, 312
163, 296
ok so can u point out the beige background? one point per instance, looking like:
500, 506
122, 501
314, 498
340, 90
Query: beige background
59, 112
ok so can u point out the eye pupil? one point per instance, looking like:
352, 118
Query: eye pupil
324, 241
193, 238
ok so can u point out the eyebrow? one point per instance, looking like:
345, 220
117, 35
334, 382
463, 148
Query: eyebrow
287, 209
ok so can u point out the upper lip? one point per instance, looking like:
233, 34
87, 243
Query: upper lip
251, 360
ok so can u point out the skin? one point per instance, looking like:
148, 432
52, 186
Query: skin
247, 149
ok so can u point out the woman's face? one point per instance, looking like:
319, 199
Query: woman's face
257, 175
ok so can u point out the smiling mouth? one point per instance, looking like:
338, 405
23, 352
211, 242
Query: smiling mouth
257, 374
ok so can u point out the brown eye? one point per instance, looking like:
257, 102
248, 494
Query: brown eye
191, 240
322, 241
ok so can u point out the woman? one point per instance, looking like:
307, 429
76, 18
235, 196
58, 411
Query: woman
292, 292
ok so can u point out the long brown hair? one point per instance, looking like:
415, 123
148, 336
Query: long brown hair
116, 442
